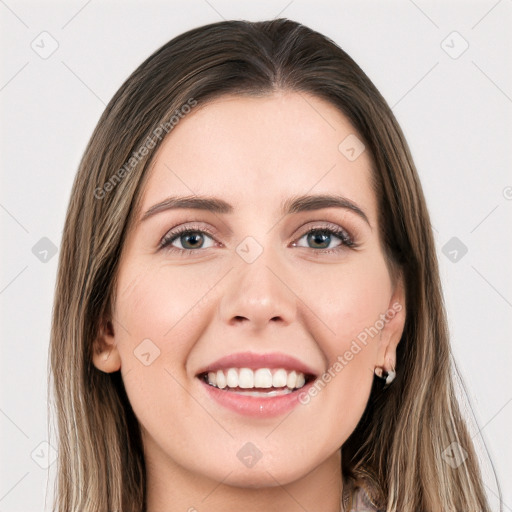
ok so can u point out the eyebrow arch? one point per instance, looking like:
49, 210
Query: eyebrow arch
295, 204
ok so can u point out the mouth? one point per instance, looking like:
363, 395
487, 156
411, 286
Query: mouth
259, 382
257, 385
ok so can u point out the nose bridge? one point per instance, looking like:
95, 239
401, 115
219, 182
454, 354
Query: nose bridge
258, 292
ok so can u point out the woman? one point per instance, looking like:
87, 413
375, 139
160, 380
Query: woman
206, 353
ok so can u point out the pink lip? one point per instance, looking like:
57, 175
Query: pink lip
257, 407
255, 361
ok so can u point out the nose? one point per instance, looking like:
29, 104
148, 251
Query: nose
259, 293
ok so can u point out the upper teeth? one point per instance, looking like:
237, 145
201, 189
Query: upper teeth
260, 378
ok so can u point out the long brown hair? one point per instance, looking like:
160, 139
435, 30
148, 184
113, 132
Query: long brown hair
399, 443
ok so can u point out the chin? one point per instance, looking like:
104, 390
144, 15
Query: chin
259, 478
263, 474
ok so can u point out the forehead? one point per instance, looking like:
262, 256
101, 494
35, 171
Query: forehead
256, 152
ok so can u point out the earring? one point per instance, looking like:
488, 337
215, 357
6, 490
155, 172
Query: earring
387, 376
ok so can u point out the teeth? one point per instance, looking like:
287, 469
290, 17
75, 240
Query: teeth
220, 379
245, 378
266, 394
232, 378
291, 380
263, 378
279, 379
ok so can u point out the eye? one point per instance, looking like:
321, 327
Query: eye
322, 237
189, 237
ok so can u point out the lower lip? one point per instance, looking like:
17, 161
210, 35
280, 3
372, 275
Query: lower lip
255, 406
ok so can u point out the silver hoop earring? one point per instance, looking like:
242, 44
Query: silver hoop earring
388, 376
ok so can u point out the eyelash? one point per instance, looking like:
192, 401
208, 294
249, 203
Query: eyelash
347, 241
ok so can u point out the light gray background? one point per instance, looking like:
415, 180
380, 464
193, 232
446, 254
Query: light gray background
455, 113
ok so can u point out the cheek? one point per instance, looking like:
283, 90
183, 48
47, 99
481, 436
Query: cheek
350, 305
159, 317
350, 300
160, 304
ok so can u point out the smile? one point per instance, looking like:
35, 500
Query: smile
256, 385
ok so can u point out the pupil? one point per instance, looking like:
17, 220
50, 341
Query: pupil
324, 237
190, 236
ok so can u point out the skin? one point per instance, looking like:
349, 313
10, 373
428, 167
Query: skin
253, 152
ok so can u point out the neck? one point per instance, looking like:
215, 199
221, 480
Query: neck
172, 488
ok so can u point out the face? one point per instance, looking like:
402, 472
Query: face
215, 305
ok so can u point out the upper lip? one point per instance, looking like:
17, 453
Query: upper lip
255, 361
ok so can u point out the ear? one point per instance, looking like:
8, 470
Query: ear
105, 355
394, 322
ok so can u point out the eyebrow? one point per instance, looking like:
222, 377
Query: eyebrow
295, 204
